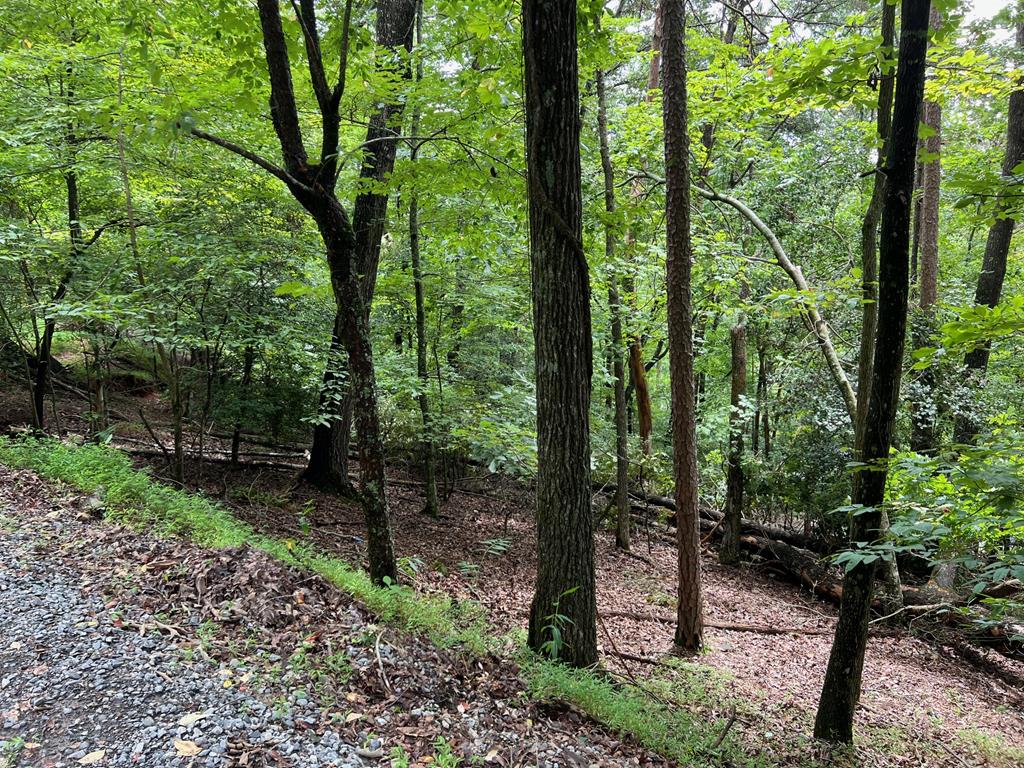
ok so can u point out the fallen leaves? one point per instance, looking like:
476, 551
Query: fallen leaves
186, 748
93, 757
192, 718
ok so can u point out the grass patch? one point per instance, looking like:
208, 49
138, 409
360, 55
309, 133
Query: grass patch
134, 498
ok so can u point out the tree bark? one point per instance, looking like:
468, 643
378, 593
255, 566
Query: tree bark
427, 440
869, 227
621, 502
328, 465
997, 247
563, 615
732, 523
924, 410
689, 635
841, 689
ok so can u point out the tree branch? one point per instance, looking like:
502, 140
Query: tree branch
283, 109
253, 158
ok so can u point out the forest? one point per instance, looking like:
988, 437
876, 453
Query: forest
514, 382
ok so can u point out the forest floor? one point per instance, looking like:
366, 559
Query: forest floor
922, 705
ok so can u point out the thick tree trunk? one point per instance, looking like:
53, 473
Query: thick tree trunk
326, 468
622, 517
354, 335
732, 523
841, 689
689, 636
563, 615
924, 411
997, 247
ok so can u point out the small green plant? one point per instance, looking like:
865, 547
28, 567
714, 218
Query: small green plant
496, 546
306, 516
444, 755
556, 623
10, 752
469, 570
410, 566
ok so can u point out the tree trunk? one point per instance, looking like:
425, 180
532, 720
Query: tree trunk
427, 441
354, 335
395, 21
328, 455
622, 518
236, 434
563, 615
637, 370
731, 524
43, 351
997, 247
869, 227
924, 409
679, 252
841, 689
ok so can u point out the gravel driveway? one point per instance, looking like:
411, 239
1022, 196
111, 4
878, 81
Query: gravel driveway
76, 690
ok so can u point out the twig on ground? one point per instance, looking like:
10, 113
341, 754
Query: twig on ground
380, 664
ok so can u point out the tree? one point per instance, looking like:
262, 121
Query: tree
997, 247
313, 186
841, 689
429, 449
729, 552
689, 636
328, 454
563, 615
621, 502
924, 411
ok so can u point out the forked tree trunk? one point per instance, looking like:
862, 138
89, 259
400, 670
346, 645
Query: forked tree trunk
328, 464
997, 247
841, 689
563, 615
689, 635
732, 522
621, 502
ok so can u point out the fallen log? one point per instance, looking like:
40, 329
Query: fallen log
727, 626
749, 526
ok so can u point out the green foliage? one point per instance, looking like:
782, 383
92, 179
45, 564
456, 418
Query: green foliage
661, 722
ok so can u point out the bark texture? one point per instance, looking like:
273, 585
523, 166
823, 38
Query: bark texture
841, 689
869, 227
563, 616
313, 186
689, 635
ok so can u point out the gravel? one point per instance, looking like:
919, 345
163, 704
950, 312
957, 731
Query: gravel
73, 684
